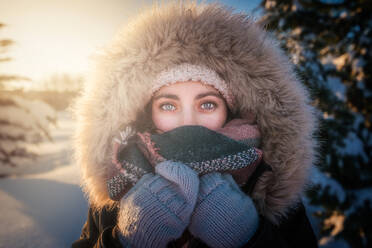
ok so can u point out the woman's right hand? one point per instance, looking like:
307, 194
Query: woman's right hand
158, 208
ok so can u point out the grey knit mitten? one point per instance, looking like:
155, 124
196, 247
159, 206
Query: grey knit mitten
158, 208
224, 216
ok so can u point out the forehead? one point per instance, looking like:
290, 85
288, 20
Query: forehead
186, 88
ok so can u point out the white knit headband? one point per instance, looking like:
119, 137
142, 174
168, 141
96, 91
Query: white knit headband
188, 72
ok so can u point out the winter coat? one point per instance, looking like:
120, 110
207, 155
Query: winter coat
100, 229
260, 77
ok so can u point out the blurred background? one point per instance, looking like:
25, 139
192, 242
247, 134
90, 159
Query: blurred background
45, 49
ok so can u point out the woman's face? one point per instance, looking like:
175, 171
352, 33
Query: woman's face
188, 103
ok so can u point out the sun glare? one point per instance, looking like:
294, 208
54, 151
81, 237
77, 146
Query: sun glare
58, 36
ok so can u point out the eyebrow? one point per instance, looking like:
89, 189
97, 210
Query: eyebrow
209, 93
171, 96
199, 96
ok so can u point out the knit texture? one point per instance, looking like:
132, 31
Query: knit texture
197, 73
130, 166
158, 208
233, 149
224, 216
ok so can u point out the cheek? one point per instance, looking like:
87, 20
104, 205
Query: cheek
164, 122
214, 121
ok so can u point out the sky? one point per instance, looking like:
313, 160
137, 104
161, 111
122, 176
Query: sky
56, 37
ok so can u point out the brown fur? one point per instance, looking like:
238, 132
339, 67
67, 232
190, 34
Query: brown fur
241, 52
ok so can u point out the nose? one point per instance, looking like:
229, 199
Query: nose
189, 118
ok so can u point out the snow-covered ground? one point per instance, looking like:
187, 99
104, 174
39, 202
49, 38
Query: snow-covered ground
41, 202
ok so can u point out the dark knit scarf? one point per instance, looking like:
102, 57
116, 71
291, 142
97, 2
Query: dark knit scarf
232, 149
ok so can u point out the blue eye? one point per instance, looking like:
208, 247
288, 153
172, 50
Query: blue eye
208, 106
168, 107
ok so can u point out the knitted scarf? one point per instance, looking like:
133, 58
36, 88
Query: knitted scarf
232, 149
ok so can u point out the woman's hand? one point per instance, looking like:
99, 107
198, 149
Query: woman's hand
158, 208
224, 216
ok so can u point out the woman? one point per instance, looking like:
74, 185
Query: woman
199, 70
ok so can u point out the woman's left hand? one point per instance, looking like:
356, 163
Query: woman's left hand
224, 216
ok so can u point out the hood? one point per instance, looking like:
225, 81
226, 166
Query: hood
258, 73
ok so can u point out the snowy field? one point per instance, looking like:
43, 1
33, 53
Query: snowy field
41, 202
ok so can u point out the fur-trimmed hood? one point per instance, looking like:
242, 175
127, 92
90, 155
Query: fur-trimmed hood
241, 52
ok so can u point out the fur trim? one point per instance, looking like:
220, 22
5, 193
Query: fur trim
241, 53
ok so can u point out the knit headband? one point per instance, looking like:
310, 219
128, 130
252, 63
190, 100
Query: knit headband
188, 72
